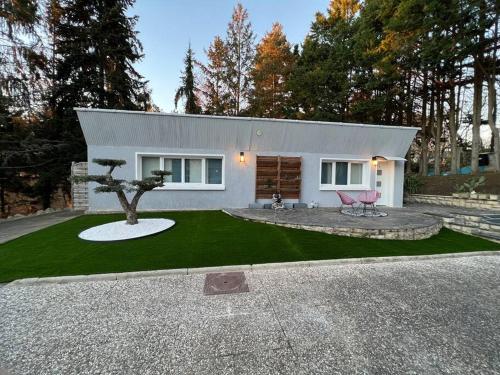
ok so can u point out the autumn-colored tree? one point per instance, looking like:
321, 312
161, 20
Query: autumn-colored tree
239, 59
214, 90
273, 66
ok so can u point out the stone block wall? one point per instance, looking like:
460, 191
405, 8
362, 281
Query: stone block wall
79, 192
448, 200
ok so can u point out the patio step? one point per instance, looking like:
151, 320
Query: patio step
461, 228
492, 219
487, 234
482, 225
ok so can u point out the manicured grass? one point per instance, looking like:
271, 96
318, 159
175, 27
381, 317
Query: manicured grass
202, 238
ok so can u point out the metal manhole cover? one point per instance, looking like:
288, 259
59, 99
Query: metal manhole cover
225, 283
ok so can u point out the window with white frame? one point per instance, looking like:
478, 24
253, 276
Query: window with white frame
344, 174
186, 171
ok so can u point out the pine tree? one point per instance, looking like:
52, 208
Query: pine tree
321, 81
214, 90
187, 90
273, 66
240, 56
94, 48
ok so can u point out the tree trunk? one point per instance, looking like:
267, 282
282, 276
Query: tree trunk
437, 134
430, 119
492, 117
131, 217
453, 133
2, 198
424, 140
476, 116
132, 208
130, 211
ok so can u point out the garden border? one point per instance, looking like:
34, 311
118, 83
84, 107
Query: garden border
244, 267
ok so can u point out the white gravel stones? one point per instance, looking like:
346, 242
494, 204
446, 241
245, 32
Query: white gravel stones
120, 230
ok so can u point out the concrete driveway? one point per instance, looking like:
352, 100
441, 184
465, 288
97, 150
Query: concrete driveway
12, 229
437, 316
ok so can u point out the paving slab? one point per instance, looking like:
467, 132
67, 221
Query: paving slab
432, 316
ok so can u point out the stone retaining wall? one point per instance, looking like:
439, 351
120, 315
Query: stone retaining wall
448, 200
380, 234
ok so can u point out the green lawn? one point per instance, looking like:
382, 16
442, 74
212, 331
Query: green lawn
203, 238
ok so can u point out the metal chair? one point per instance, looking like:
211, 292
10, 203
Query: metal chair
368, 199
346, 200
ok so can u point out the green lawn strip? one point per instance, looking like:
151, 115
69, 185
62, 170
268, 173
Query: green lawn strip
199, 239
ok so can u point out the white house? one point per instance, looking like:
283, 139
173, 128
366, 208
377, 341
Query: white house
232, 162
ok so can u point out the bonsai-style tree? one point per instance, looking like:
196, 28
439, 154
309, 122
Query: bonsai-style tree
108, 184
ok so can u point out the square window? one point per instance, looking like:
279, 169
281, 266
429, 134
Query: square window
356, 173
379, 172
379, 183
149, 164
192, 171
341, 173
326, 173
173, 166
214, 171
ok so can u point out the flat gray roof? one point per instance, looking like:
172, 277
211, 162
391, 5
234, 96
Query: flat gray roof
104, 127
260, 119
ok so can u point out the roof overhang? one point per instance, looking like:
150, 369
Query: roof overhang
395, 158
390, 158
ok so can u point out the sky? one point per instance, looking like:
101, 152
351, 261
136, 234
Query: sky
166, 27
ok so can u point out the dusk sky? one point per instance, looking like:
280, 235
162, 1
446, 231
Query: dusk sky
167, 26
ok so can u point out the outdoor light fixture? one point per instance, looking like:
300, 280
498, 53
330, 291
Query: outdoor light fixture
242, 157
376, 158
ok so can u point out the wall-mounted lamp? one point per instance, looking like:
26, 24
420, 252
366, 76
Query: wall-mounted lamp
376, 158
242, 157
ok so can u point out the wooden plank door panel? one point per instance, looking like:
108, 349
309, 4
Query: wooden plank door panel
278, 173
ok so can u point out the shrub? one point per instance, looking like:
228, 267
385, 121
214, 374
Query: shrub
413, 184
471, 184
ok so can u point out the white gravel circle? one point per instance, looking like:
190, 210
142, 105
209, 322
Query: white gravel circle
120, 230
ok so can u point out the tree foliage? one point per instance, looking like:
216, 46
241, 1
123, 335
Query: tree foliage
188, 90
273, 65
214, 89
109, 184
56, 55
240, 55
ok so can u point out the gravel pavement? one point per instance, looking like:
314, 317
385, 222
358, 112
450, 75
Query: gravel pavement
436, 316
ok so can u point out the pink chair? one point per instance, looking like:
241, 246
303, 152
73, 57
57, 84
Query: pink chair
368, 198
346, 200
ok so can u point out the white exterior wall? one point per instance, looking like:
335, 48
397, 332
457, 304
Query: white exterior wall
123, 134
239, 189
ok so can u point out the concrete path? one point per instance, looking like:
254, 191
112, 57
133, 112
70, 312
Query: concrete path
426, 317
11, 229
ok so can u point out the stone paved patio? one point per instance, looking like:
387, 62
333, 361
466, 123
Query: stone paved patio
436, 316
400, 223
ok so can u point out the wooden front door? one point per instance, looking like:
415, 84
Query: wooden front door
278, 173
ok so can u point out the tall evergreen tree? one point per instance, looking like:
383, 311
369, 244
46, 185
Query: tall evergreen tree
95, 47
214, 90
272, 69
187, 90
321, 82
240, 56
